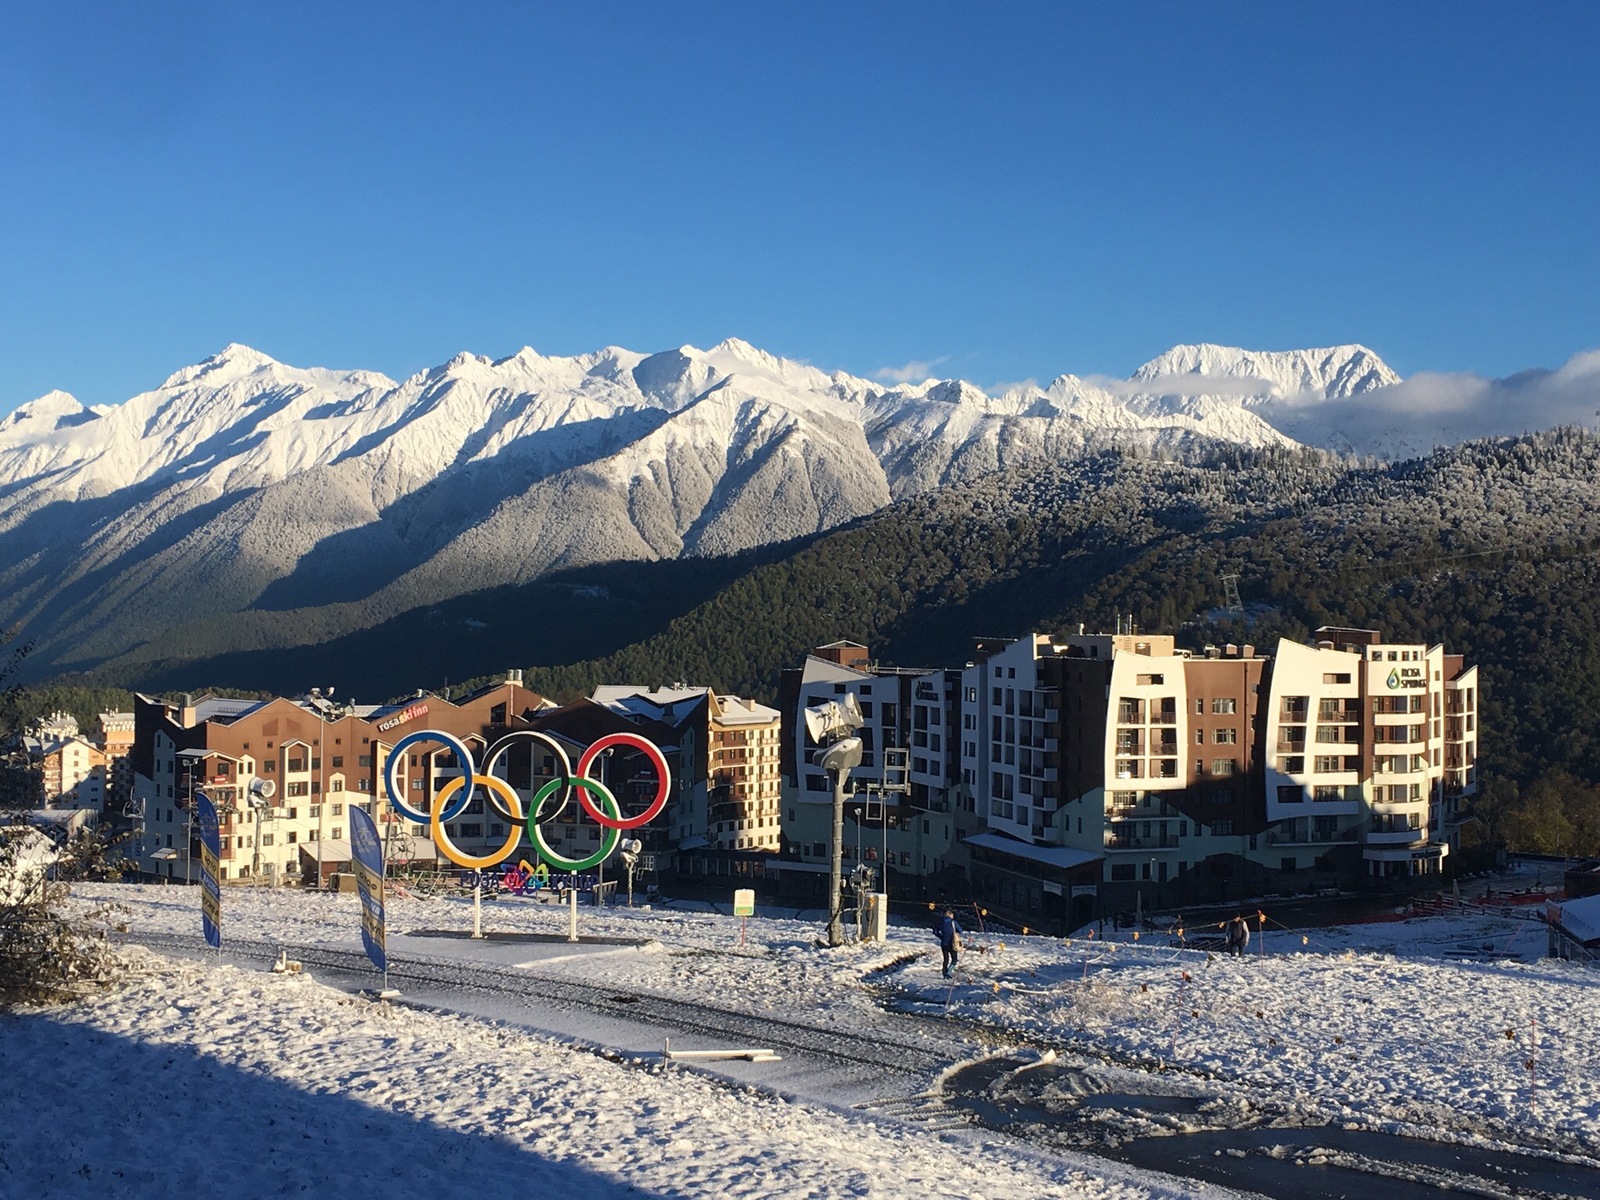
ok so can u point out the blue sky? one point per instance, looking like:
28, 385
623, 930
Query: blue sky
1004, 192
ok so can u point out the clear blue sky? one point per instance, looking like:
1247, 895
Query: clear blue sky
1011, 191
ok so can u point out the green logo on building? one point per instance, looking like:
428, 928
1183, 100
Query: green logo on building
1394, 678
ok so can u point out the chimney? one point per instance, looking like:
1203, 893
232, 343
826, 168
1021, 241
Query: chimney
514, 676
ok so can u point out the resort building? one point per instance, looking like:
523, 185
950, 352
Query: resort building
1097, 772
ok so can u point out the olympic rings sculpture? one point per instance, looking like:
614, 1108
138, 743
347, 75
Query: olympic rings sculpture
593, 796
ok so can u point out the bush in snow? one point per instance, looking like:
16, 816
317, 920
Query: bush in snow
49, 953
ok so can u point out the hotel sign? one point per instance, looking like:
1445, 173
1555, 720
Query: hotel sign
1407, 678
407, 714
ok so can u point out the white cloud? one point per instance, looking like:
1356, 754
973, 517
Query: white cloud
1437, 408
915, 371
1016, 385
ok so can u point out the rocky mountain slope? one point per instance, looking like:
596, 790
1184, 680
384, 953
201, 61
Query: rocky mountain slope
249, 504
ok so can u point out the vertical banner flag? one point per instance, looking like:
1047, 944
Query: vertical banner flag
366, 850
210, 855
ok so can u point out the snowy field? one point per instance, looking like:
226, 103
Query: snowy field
198, 1074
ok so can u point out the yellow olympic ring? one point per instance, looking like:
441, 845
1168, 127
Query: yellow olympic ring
442, 839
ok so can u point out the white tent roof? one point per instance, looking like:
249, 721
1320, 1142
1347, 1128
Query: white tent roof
1060, 857
1581, 919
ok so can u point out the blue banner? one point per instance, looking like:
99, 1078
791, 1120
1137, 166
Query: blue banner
366, 853
205, 814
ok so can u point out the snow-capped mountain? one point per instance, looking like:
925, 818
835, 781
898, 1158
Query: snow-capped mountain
242, 486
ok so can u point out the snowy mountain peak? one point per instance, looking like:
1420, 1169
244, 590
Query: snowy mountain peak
233, 361
1335, 372
52, 411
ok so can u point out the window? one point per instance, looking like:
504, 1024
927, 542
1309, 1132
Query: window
1225, 737
338, 811
338, 760
1122, 872
1222, 766
1151, 680
1224, 704
1199, 737
1335, 677
364, 760
338, 831
1199, 706
266, 839
1222, 828
1289, 794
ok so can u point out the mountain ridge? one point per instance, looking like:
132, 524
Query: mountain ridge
340, 498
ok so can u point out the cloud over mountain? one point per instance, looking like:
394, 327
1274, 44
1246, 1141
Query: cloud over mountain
1412, 416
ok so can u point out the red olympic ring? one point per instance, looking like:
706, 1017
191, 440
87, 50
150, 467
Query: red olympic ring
657, 760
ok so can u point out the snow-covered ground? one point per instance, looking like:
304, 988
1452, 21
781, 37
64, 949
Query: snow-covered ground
205, 1074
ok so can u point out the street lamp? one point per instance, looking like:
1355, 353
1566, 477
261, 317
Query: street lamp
832, 724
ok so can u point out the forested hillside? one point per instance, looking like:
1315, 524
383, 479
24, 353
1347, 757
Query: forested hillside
1489, 547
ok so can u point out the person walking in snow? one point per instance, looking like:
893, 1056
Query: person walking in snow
1238, 935
949, 935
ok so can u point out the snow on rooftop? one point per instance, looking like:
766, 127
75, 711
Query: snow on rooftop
1054, 856
1581, 918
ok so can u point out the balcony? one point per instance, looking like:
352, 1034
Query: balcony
1310, 838
1394, 839
1151, 841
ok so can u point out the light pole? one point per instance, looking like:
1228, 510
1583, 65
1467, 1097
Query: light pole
833, 723
322, 702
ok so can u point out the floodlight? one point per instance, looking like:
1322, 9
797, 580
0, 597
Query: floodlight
833, 718
844, 755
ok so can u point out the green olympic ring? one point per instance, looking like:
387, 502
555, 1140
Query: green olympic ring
608, 843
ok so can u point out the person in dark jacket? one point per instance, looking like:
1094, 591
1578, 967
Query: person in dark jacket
949, 935
1238, 935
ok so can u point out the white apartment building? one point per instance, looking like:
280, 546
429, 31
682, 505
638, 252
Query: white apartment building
1375, 740
899, 819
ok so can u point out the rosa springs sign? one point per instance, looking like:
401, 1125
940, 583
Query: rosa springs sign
1406, 678
593, 797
